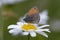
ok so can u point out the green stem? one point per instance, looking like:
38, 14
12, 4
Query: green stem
28, 36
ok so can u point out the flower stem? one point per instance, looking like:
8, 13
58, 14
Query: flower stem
28, 36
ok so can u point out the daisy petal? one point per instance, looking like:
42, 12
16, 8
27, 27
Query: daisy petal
15, 31
19, 23
25, 33
43, 26
43, 17
42, 33
12, 26
32, 33
47, 30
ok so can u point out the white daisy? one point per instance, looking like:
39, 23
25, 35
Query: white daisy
27, 28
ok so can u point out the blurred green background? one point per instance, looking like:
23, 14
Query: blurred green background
11, 14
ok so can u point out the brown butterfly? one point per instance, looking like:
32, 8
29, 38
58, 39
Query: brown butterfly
32, 16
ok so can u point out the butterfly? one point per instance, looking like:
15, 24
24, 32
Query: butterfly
32, 16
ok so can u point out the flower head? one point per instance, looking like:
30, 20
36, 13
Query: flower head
27, 28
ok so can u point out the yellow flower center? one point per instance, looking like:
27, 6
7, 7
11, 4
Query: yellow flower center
28, 26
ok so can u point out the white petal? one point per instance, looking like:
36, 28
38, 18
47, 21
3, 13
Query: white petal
32, 33
43, 17
42, 33
12, 26
25, 33
20, 23
43, 26
47, 30
15, 31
